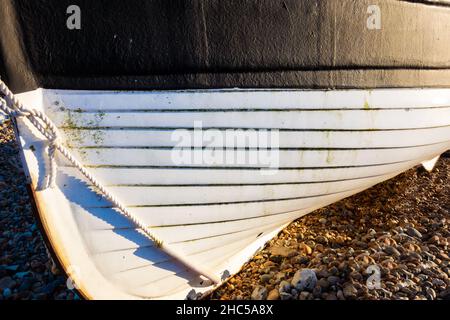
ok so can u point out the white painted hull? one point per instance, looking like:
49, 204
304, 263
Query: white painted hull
332, 144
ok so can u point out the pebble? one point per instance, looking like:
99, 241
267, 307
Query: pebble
438, 282
283, 252
431, 294
20, 275
408, 244
392, 251
322, 240
340, 295
9, 268
349, 290
306, 249
285, 286
412, 232
445, 295
286, 296
304, 279
333, 280
265, 278
273, 295
331, 296
24, 262
304, 295
323, 283
317, 292
7, 293
7, 283
25, 285
259, 293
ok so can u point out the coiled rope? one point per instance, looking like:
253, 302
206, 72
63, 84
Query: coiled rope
14, 108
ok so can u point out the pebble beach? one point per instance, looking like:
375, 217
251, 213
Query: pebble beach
389, 242
400, 228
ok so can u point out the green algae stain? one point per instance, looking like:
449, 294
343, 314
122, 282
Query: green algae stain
97, 134
100, 115
366, 105
82, 132
70, 127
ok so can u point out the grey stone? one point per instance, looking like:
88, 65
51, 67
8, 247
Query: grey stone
259, 293
438, 282
323, 283
304, 279
285, 286
392, 251
333, 280
412, 232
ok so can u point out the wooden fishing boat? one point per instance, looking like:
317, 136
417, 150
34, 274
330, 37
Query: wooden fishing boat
126, 218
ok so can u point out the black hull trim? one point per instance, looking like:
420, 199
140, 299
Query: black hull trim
335, 79
202, 44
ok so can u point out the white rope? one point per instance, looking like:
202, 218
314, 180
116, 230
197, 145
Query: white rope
14, 108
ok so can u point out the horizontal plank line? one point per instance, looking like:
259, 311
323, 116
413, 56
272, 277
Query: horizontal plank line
242, 128
223, 234
247, 218
231, 220
235, 168
251, 148
205, 110
219, 203
240, 184
231, 202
